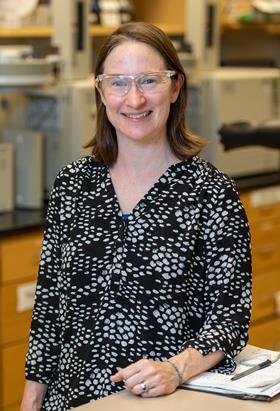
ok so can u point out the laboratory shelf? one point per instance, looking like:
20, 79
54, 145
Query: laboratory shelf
95, 31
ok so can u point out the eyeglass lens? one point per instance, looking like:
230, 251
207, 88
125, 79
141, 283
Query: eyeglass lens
120, 85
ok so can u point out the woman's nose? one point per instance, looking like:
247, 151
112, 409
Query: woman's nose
135, 97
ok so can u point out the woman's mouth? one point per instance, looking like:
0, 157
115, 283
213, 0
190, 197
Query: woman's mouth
137, 116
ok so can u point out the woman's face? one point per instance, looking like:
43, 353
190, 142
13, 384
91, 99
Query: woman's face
138, 116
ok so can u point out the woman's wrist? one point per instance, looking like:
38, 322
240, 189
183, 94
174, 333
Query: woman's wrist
33, 396
191, 362
28, 404
178, 373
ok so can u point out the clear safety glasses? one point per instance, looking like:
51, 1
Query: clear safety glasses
119, 85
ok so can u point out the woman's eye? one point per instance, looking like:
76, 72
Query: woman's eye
118, 82
149, 80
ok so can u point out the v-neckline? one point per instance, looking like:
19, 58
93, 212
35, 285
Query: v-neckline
167, 174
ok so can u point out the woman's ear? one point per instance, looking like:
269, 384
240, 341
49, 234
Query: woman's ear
102, 97
176, 87
100, 93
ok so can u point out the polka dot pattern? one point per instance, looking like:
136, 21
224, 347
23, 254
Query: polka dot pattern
175, 274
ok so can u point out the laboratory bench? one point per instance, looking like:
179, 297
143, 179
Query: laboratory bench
21, 234
21, 221
180, 400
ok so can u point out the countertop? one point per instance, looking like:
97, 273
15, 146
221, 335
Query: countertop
22, 221
180, 400
257, 181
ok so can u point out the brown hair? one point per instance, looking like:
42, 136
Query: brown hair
182, 142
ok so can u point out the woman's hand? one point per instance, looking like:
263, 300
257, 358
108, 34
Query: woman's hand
148, 378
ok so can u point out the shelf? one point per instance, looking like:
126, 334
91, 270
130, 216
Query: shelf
271, 28
25, 32
101, 31
169, 29
95, 31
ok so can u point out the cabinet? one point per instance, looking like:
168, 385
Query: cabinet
263, 210
170, 16
19, 258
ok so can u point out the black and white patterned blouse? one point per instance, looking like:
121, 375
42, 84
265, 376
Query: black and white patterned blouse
176, 274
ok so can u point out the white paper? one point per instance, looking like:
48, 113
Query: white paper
262, 382
25, 296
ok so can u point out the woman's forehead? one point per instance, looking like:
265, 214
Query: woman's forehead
133, 55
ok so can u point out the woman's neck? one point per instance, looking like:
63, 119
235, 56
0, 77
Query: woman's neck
137, 170
144, 159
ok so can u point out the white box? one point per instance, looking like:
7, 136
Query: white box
7, 184
28, 146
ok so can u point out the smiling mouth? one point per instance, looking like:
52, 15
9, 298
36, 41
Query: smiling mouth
137, 116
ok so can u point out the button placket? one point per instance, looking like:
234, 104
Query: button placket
116, 267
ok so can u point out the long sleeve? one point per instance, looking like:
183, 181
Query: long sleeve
44, 346
226, 267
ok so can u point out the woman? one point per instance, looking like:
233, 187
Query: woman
145, 275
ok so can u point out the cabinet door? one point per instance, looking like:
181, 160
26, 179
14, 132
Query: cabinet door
266, 291
266, 334
265, 245
12, 360
16, 303
262, 204
20, 257
14, 407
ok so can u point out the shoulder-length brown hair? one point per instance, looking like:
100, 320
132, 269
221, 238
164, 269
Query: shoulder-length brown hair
182, 142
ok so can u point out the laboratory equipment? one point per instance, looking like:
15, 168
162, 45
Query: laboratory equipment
66, 116
71, 37
12, 11
244, 133
227, 95
19, 69
219, 95
62, 111
203, 32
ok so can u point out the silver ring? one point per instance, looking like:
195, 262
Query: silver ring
143, 386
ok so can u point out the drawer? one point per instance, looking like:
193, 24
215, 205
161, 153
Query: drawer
14, 407
19, 256
266, 290
265, 245
11, 408
262, 204
266, 334
12, 360
16, 303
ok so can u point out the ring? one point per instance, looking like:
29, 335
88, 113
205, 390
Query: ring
143, 386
